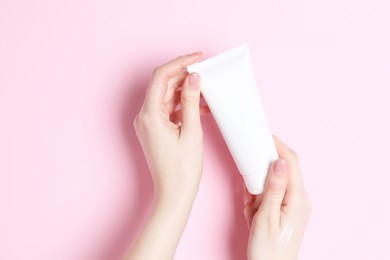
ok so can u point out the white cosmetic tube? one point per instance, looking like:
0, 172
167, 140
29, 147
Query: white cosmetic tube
230, 90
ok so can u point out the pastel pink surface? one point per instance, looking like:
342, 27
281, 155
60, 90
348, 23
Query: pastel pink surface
73, 180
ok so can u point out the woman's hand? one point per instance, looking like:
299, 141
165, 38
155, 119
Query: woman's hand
169, 130
171, 138
277, 218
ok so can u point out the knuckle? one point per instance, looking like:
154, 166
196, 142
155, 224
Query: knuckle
190, 100
292, 154
276, 186
143, 121
157, 71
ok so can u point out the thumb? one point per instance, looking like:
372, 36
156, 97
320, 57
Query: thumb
190, 99
274, 191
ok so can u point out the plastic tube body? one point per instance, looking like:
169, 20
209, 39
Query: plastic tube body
230, 90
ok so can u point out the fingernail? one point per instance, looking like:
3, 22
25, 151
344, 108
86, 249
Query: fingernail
193, 81
280, 167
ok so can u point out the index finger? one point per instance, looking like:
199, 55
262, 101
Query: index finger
158, 85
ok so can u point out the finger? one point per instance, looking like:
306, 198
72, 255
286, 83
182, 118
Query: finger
173, 84
190, 99
249, 198
295, 183
249, 213
158, 85
176, 115
173, 105
275, 188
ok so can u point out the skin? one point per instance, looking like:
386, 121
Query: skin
278, 217
169, 129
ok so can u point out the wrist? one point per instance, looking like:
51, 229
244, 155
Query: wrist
177, 188
175, 198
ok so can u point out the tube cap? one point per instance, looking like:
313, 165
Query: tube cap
255, 182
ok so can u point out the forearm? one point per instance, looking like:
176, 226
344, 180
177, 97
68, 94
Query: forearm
161, 234
172, 142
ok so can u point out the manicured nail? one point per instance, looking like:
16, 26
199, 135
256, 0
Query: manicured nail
193, 81
280, 167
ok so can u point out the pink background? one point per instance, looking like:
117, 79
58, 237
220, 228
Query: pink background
73, 180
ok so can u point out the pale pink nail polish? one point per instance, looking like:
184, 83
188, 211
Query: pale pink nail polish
193, 80
279, 167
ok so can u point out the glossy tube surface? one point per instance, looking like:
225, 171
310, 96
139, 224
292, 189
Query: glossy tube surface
230, 90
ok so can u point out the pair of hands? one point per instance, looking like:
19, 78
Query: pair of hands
169, 129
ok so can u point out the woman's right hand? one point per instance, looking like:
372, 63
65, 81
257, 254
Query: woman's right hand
278, 217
